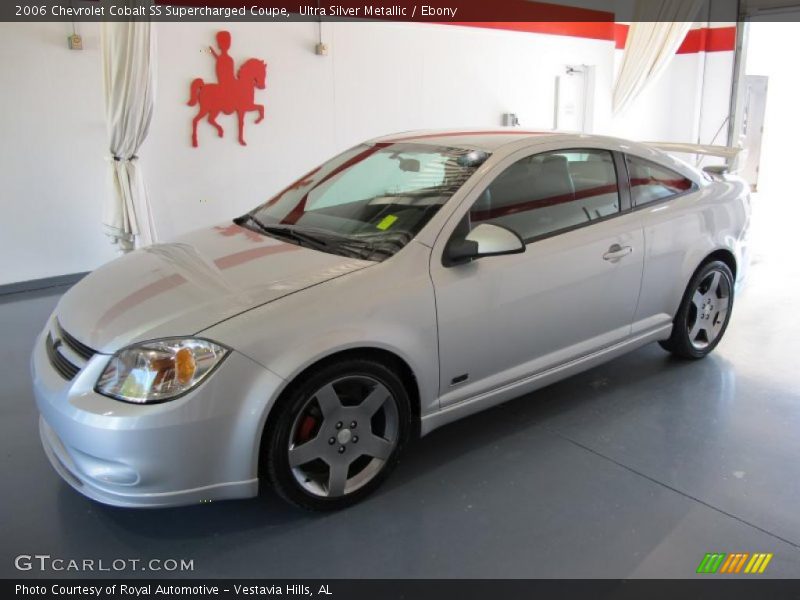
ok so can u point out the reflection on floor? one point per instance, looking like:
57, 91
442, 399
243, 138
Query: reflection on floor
634, 469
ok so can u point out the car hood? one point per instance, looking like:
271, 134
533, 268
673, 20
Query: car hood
183, 287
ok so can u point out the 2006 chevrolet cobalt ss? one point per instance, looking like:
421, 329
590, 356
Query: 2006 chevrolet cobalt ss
406, 283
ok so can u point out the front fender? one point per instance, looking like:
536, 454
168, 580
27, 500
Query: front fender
389, 306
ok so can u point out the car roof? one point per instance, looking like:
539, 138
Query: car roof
492, 140
473, 139
511, 139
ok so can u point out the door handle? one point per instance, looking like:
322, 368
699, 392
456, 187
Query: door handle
616, 252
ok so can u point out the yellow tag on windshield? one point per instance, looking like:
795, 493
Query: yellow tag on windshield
386, 222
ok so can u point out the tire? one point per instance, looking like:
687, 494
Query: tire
337, 435
704, 313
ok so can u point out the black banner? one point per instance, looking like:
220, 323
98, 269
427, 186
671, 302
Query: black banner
414, 589
433, 11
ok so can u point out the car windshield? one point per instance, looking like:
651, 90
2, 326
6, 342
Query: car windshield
369, 201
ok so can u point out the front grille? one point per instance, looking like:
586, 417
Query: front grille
80, 349
77, 352
65, 368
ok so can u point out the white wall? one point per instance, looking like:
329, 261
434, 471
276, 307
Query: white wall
378, 78
667, 110
689, 102
716, 98
51, 155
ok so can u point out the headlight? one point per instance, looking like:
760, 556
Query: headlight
160, 370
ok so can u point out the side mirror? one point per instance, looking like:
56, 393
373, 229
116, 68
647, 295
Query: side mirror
484, 240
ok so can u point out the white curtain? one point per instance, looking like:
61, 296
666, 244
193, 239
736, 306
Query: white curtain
129, 63
653, 38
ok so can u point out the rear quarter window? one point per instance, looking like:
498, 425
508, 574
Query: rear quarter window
651, 182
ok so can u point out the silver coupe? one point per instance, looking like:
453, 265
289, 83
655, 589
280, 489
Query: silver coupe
410, 281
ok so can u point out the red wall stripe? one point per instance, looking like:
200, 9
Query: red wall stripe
620, 35
709, 39
706, 39
529, 16
582, 29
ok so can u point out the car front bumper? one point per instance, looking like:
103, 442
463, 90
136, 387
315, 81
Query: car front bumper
200, 447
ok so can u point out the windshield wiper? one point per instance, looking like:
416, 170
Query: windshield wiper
365, 247
319, 240
286, 231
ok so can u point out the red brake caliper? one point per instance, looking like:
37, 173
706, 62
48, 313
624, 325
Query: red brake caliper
306, 429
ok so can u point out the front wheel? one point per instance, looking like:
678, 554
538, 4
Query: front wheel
337, 434
703, 315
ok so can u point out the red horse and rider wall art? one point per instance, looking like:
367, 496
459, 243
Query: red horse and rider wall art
233, 92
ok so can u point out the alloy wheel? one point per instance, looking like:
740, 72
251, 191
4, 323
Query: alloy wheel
708, 310
343, 436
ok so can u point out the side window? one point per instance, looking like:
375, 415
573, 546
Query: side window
550, 192
651, 182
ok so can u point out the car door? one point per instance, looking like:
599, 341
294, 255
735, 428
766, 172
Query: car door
572, 292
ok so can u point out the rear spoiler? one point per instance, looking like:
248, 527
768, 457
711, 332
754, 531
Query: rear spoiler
717, 172
727, 152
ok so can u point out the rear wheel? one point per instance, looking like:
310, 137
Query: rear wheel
338, 434
704, 312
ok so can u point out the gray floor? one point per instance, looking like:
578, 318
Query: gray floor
633, 469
